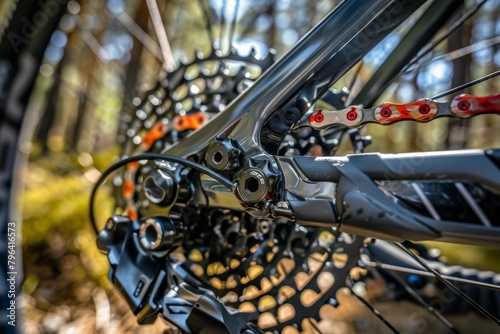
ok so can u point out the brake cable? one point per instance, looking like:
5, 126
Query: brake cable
150, 156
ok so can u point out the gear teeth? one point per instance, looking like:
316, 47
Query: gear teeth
183, 60
168, 69
176, 77
239, 73
199, 54
332, 301
271, 55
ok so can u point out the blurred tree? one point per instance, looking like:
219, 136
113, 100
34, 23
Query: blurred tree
457, 129
141, 17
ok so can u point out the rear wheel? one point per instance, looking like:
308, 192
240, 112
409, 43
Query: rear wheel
27, 33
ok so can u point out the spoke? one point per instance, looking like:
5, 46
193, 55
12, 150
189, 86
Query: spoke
452, 287
161, 34
233, 23
448, 32
473, 204
462, 52
419, 299
314, 325
222, 22
425, 201
142, 36
428, 274
208, 22
466, 85
374, 311
94, 46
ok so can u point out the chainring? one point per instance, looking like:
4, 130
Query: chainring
281, 271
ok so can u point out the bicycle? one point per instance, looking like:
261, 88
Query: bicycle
252, 192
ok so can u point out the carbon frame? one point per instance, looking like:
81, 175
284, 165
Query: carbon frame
295, 82
324, 191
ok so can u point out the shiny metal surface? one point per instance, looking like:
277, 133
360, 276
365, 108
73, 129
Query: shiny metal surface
304, 73
297, 183
218, 195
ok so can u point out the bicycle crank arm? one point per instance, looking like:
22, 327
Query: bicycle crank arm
462, 106
346, 192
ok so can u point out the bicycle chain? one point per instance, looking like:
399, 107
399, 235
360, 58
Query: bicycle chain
424, 110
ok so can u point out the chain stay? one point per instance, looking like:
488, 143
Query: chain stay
462, 106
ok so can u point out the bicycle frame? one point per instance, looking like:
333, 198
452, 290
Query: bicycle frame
368, 211
302, 75
295, 82
325, 191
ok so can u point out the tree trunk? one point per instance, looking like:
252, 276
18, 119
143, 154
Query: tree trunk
457, 129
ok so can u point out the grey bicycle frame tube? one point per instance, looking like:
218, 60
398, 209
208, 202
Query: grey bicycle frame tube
303, 74
359, 207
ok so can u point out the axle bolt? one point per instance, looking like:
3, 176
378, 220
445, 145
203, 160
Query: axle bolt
223, 155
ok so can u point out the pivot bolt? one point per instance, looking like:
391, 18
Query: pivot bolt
160, 234
253, 185
222, 155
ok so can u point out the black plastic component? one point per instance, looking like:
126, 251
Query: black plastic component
280, 123
210, 316
457, 232
362, 214
160, 187
367, 210
151, 306
336, 98
222, 155
358, 142
314, 212
317, 169
446, 165
111, 234
447, 201
135, 273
